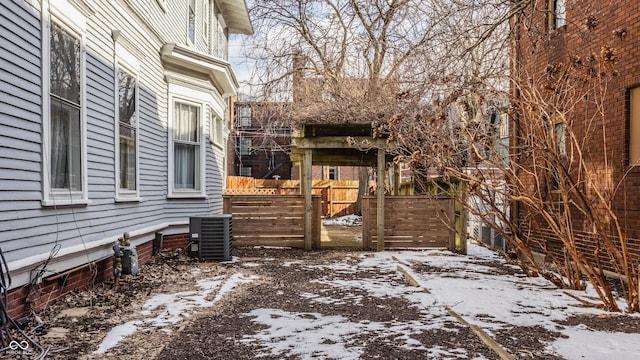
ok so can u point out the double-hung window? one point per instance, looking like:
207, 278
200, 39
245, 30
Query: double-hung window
186, 139
64, 165
127, 133
127, 121
245, 146
191, 19
66, 142
221, 36
127, 66
216, 130
245, 116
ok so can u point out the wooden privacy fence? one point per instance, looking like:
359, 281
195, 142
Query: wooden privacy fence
410, 222
339, 197
271, 220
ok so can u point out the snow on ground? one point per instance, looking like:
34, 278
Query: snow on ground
344, 220
584, 343
467, 285
333, 336
164, 310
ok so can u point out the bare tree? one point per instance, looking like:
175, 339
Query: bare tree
431, 75
558, 170
351, 61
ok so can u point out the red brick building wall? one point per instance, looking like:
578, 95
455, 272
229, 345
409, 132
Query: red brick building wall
594, 30
270, 138
22, 300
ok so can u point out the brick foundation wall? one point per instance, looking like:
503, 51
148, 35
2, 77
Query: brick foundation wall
175, 241
21, 300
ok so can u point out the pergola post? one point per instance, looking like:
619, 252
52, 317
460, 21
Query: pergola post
305, 182
380, 202
396, 179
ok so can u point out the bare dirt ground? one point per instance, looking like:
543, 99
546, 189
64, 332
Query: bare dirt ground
333, 236
74, 327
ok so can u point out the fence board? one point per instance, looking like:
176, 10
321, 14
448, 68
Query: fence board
339, 197
271, 220
410, 222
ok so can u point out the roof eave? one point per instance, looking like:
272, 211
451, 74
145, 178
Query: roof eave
236, 15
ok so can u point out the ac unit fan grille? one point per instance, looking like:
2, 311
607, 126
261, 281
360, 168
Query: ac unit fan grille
215, 237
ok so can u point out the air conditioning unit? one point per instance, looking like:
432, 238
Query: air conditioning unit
211, 237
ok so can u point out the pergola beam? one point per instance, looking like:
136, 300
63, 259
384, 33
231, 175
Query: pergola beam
339, 146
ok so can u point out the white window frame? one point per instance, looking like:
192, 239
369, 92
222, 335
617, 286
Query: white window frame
216, 129
126, 61
74, 20
192, 21
558, 13
224, 171
221, 41
186, 193
206, 19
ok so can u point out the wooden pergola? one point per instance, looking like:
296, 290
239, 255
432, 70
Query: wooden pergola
326, 144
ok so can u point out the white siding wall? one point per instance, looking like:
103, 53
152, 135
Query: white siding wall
29, 230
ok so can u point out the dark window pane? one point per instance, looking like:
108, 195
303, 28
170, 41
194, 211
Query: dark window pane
66, 172
127, 157
186, 158
126, 97
186, 125
65, 65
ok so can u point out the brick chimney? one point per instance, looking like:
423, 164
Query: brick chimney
299, 63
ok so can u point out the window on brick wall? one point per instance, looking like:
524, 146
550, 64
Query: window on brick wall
245, 171
245, 146
634, 126
244, 119
557, 14
560, 130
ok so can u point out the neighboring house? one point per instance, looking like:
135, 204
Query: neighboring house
260, 139
601, 38
483, 224
113, 120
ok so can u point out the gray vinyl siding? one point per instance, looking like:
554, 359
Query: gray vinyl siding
28, 228
215, 170
214, 178
173, 23
20, 108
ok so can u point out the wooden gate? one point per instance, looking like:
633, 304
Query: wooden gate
410, 222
